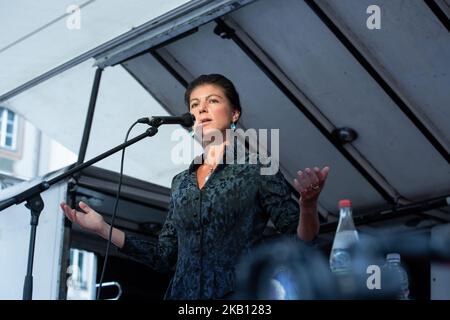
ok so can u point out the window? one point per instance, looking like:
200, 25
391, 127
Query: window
8, 129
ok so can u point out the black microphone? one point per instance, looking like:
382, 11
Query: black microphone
186, 120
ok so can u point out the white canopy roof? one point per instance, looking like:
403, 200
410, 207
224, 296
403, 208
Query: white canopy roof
35, 39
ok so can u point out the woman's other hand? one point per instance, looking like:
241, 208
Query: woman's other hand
309, 184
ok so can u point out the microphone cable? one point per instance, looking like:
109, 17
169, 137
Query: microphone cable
114, 214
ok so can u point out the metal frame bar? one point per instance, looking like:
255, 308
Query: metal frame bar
89, 116
174, 73
161, 45
181, 20
438, 7
380, 80
67, 237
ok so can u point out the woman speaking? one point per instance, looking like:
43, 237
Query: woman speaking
217, 210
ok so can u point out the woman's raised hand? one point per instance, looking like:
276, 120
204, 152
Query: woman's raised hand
309, 184
88, 219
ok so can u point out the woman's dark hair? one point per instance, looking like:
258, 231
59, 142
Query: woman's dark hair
220, 81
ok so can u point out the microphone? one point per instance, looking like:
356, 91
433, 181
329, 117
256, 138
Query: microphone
186, 120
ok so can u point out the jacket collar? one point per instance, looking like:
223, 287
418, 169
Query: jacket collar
235, 153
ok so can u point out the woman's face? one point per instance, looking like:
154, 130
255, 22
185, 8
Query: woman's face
211, 108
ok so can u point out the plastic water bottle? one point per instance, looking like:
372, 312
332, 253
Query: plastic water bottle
393, 270
346, 237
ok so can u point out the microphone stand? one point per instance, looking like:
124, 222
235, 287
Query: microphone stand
35, 204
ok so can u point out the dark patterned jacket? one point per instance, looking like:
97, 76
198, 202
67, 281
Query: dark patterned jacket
207, 231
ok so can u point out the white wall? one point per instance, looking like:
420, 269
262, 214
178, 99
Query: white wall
14, 238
